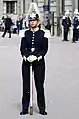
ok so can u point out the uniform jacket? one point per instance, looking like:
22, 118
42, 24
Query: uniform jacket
34, 40
8, 22
75, 22
66, 22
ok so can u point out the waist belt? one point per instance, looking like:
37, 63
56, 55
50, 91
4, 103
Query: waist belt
32, 49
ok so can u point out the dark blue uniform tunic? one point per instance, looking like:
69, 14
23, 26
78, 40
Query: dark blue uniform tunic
39, 43
66, 24
75, 29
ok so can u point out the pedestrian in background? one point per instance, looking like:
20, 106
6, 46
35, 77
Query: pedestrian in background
8, 23
18, 24
24, 25
75, 26
66, 23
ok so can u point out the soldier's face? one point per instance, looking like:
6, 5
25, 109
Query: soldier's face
33, 23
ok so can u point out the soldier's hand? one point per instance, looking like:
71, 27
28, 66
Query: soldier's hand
77, 27
24, 57
32, 58
39, 58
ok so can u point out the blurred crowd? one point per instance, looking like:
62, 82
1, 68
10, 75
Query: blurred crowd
70, 25
18, 23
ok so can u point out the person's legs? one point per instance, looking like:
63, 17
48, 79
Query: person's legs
26, 87
39, 75
18, 28
66, 35
74, 36
5, 30
9, 30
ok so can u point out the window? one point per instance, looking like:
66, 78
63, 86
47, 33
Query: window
10, 7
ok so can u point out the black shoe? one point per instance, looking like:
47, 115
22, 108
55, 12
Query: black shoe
9, 36
43, 112
63, 40
2, 36
73, 42
24, 112
66, 40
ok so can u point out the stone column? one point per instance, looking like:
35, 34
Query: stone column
76, 4
63, 6
15, 8
73, 6
4, 8
1, 8
26, 6
19, 7
58, 16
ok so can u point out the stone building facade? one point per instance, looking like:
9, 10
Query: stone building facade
58, 7
21, 6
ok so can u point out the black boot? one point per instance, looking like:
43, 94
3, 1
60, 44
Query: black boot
73, 42
2, 36
24, 112
43, 112
9, 36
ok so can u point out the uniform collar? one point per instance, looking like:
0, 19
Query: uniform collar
36, 29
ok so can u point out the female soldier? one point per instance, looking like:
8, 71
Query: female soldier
33, 48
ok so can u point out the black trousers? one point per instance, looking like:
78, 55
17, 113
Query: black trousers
66, 33
75, 35
39, 76
5, 30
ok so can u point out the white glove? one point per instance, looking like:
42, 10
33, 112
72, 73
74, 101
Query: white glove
77, 27
24, 57
70, 28
32, 58
39, 58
